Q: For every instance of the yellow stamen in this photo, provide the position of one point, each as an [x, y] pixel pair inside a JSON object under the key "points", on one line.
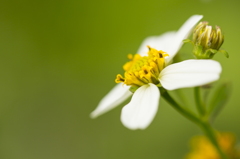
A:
{"points": [[119, 79], [142, 70], [130, 56], [129, 64]]}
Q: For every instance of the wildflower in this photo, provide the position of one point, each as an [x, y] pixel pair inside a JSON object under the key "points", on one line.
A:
{"points": [[171, 77], [169, 41], [203, 149], [147, 73]]}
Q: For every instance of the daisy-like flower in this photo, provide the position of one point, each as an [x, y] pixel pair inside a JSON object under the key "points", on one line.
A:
{"points": [[152, 71]]}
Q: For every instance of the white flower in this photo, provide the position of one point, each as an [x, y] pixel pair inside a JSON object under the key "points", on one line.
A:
{"points": [[139, 113], [141, 110]]}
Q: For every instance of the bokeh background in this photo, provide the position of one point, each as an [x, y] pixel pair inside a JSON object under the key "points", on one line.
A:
{"points": [[59, 58]]}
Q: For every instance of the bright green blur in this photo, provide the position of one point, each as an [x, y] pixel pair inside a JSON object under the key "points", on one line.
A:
{"points": [[59, 58]]}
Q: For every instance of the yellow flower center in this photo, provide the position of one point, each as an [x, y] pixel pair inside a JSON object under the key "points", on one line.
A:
{"points": [[142, 70]]}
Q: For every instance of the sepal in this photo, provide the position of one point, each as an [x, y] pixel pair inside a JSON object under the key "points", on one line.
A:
{"points": [[200, 53], [225, 53], [188, 41]]}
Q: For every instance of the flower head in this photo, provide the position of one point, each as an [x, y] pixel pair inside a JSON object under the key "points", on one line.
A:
{"points": [[207, 41], [203, 149], [149, 70], [208, 37], [143, 70]]}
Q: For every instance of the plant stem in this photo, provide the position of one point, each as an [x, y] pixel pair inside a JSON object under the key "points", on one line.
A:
{"points": [[200, 106], [210, 133], [201, 122]]}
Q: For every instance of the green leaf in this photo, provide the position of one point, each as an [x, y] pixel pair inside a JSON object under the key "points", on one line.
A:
{"points": [[133, 88], [219, 100], [225, 53]]}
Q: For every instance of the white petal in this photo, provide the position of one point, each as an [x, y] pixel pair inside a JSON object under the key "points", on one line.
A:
{"points": [[161, 42], [190, 73], [141, 110], [170, 42], [182, 34], [116, 96]]}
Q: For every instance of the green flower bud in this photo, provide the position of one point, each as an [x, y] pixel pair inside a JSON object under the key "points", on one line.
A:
{"points": [[207, 41]]}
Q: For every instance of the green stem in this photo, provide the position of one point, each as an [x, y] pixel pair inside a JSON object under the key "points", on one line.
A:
{"points": [[198, 101], [205, 97], [210, 133], [201, 122]]}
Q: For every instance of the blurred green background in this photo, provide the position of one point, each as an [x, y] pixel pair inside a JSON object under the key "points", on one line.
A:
{"points": [[59, 58]]}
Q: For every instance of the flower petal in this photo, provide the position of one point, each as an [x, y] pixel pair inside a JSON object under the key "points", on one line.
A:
{"points": [[116, 96], [190, 73], [182, 34], [141, 110], [171, 41], [161, 42]]}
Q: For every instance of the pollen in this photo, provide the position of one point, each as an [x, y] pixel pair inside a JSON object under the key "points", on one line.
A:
{"points": [[143, 70]]}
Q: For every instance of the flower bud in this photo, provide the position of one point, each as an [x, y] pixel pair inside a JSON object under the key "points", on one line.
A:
{"points": [[206, 40]]}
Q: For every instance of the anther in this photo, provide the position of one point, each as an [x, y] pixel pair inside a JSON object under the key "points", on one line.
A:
{"points": [[149, 48]]}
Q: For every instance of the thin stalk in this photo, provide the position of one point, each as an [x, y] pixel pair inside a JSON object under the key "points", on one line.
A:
{"points": [[205, 97], [200, 105], [203, 124], [209, 132]]}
